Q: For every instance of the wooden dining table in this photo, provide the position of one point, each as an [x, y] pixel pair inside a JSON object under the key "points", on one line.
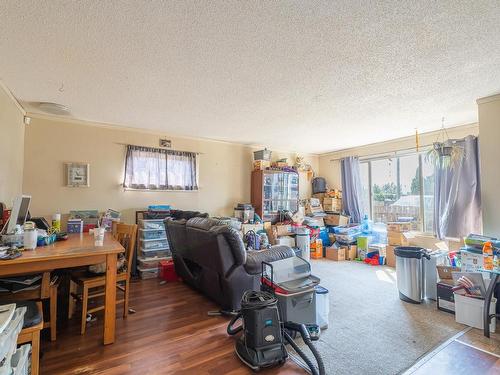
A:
{"points": [[78, 250]]}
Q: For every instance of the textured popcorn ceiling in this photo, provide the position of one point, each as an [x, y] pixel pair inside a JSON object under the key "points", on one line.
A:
{"points": [[302, 76]]}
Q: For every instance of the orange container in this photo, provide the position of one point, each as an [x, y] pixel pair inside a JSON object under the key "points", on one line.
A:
{"points": [[317, 249]]}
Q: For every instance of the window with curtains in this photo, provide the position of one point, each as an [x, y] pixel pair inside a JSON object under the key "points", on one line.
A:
{"points": [[399, 187], [148, 168]]}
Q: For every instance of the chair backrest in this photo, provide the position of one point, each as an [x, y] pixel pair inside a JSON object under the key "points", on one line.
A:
{"points": [[126, 234]]}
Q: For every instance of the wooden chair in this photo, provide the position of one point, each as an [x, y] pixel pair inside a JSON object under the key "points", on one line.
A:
{"points": [[93, 286], [32, 335], [47, 291]]}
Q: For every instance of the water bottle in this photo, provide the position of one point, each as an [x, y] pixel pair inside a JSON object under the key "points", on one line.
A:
{"points": [[366, 225]]}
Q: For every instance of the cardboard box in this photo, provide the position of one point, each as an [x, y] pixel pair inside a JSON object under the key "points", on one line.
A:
{"points": [[351, 252], [445, 297], [397, 226], [332, 204], [248, 227], [336, 254], [444, 273], [260, 165], [390, 258], [397, 239], [283, 230], [336, 219]]}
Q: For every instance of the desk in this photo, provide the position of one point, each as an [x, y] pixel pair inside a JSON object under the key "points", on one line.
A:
{"points": [[495, 276], [78, 250]]}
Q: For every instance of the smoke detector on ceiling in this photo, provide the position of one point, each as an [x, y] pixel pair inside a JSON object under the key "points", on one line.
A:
{"points": [[54, 108]]}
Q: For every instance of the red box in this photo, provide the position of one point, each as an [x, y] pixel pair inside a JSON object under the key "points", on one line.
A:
{"points": [[87, 227], [167, 270]]}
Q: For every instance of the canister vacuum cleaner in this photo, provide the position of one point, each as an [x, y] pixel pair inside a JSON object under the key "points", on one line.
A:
{"points": [[262, 343]]}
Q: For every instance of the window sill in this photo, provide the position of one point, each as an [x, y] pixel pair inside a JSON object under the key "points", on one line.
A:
{"points": [[162, 190]]}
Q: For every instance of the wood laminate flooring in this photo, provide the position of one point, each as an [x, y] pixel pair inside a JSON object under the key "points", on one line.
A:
{"points": [[170, 333]]}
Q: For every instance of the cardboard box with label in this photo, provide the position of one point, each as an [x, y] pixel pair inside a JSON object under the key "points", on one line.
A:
{"points": [[336, 254], [336, 219], [445, 295]]}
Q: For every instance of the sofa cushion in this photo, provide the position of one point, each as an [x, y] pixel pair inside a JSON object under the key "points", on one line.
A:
{"points": [[255, 257]]}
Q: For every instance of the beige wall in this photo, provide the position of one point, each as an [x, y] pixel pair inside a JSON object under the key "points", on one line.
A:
{"points": [[224, 170], [331, 169], [11, 147], [489, 126]]}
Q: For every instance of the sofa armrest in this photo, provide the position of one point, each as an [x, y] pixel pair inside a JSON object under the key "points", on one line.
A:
{"points": [[253, 265]]}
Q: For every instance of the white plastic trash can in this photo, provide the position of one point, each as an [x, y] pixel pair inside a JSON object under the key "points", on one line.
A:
{"points": [[322, 306]]}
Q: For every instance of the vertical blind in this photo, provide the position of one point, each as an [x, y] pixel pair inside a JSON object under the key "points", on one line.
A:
{"points": [[150, 168]]}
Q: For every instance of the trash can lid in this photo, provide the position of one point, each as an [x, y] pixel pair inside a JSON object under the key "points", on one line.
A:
{"points": [[320, 290], [409, 252]]}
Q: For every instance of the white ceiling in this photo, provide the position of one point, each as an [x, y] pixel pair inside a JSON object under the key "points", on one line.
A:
{"points": [[308, 76]]}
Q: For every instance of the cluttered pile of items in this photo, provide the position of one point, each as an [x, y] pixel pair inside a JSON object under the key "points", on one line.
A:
{"points": [[467, 282]]}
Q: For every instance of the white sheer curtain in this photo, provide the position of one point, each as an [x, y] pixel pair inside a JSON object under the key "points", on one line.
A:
{"points": [[158, 169]]}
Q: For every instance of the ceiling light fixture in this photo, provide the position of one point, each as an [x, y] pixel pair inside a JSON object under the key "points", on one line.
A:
{"points": [[54, 108]]}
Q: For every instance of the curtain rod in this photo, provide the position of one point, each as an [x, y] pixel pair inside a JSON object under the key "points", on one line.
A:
{"points": [[400, 152], [159, 148]]}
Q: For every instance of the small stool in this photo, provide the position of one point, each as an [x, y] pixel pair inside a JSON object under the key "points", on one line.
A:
{"points": [[33, 324]]}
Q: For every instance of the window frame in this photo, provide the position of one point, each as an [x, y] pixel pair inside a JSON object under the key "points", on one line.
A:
{"points": [[166, 152], [398, 155]]}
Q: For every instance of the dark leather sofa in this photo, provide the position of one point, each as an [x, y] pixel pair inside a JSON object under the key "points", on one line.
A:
{"points": [[211, 257]]}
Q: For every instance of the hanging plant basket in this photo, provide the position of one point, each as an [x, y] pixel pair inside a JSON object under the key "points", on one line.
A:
{"points": [[445, 154]]}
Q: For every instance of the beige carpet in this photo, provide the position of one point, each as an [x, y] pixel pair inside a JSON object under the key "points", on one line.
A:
{"points": [[371, 330]]}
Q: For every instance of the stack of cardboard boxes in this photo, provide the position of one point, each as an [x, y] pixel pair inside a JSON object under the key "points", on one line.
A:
{"points": [[396, 237], [343, 252]]}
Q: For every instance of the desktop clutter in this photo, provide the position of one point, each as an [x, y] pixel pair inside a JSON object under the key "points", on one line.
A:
{"points": [[22, 232]]}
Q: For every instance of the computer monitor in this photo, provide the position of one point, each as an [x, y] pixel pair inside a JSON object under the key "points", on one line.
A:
{"points": [[18, 213]]}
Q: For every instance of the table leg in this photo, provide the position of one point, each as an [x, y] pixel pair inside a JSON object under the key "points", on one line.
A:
{"points": [[110, 300], [487, 302]]}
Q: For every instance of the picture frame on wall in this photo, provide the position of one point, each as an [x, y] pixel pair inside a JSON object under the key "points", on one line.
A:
{"points": [[77, 174]]}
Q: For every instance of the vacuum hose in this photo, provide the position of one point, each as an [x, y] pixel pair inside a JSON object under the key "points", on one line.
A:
{"points": [[301, 328]]}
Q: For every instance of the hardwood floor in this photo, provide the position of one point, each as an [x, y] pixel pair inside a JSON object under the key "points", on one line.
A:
{"points": [[169, 334], [468, 353]]}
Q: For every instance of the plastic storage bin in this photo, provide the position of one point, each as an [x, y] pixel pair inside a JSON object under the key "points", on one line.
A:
{"points": [[20, 362], [298, 307], [348, 230], [149, 263], [154, 253], [322, 306], [148, 273], [8, 338], [155, 244], [152, 224], [151, 234], [469, 311]]}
